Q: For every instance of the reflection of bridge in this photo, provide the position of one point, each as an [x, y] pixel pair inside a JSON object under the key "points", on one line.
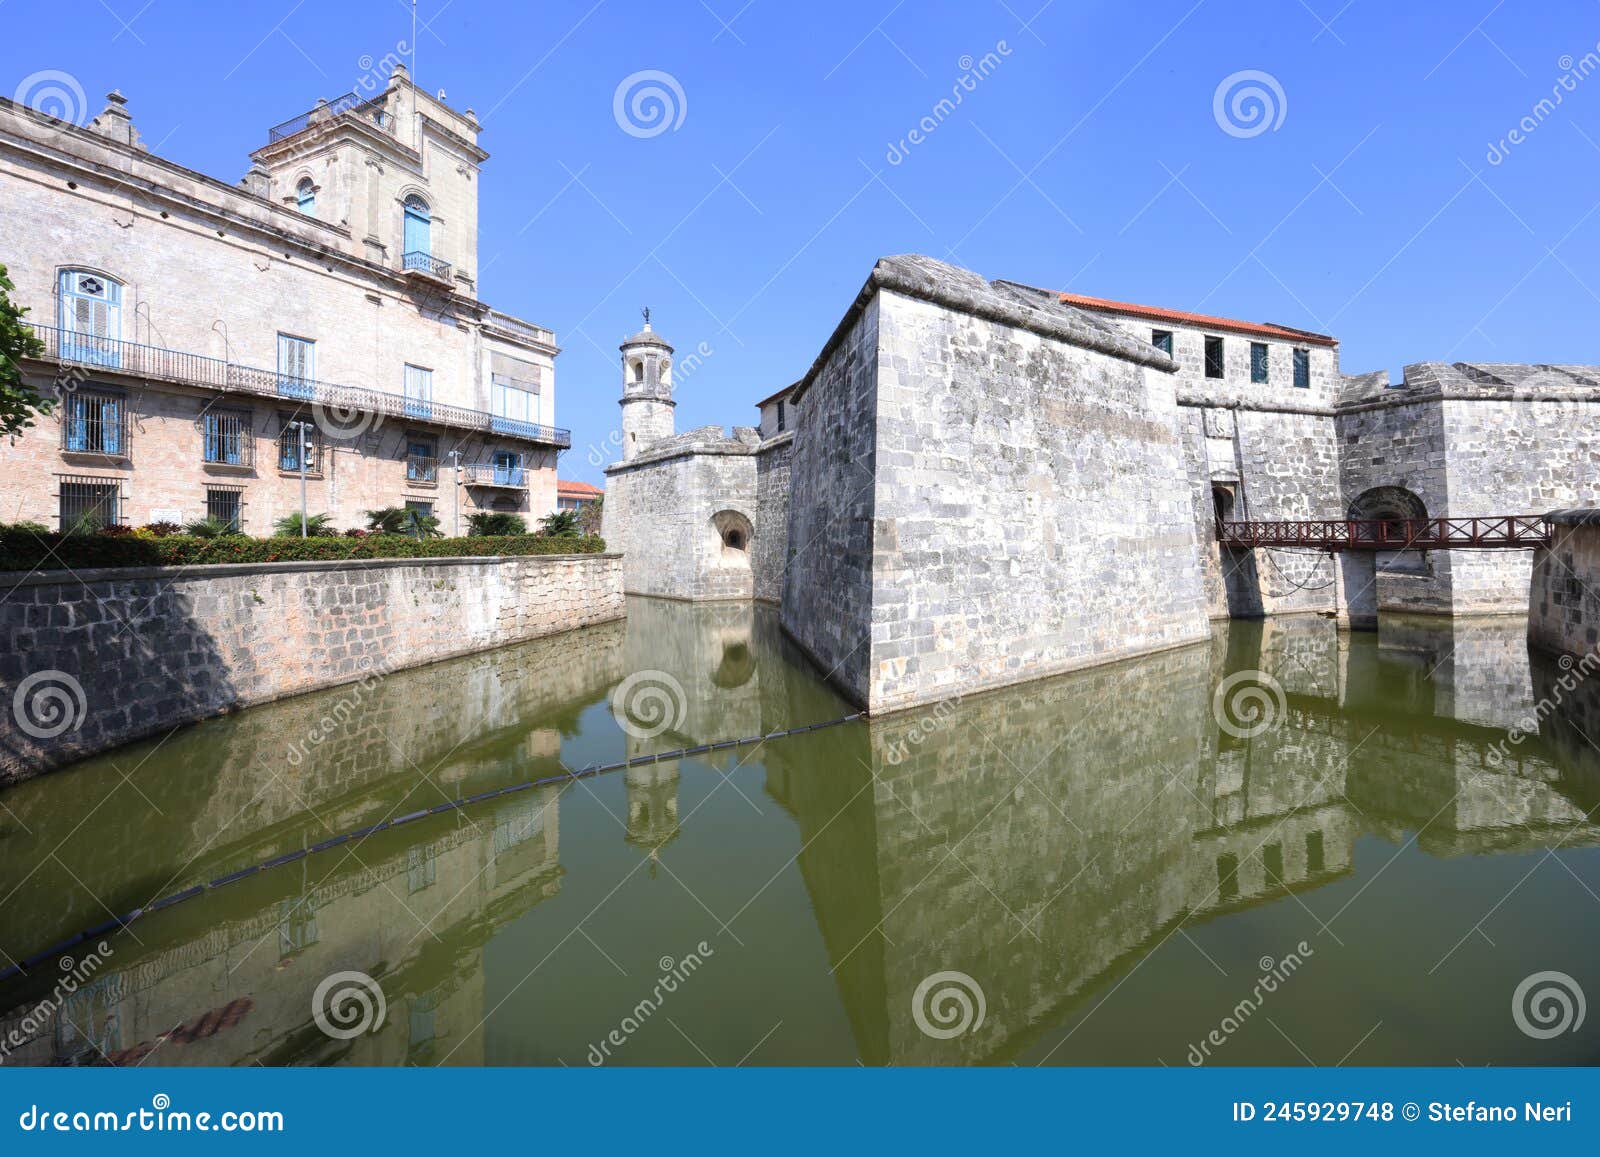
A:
{"points": [[1498, 532]]}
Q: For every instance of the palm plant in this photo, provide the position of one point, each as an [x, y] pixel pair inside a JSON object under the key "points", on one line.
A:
{"points": [[403, 520], [495, 522], [316, 525], [209, 528], [559, 524]]}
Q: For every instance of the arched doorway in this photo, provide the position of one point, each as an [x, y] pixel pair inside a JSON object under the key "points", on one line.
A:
{"points": [[1401, 509]]}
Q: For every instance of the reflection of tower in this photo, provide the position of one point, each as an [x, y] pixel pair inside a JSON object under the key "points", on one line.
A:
{"points": [[646, 390], [652, 805]]}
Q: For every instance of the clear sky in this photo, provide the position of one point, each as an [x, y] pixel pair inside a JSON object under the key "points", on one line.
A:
{"points": [[1088, 151]]}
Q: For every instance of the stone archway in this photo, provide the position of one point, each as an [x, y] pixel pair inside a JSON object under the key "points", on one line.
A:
{"points": [[1388, 502], [735, 532]]}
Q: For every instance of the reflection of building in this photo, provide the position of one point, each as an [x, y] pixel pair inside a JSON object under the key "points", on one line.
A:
{"points": [[1029, 839], [215, 342], [411, 912], [652, 791]]}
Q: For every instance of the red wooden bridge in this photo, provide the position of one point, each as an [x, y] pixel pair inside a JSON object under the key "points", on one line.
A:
{"points": [[1500, 532]]}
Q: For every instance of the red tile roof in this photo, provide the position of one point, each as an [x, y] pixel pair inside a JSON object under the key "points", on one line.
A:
{"points": [[783, 393], [567, 488], [1203, 320]]}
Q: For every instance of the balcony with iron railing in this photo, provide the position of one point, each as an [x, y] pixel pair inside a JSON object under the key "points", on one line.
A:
{"points": [[495, 475], [84, 355], [425, 264], [351, 104]]}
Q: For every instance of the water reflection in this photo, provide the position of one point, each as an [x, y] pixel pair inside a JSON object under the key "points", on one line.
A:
{"points": [[1095, 851]]}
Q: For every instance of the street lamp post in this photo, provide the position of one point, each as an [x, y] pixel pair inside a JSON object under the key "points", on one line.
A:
{"points": [[304, 444], [455, 519]]}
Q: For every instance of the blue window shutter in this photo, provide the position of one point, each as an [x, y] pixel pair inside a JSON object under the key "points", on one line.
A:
{"points": [[417, 228], [77, 424]]}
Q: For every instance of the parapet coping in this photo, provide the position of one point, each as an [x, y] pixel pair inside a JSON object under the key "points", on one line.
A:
{"points": [[926, 279], [1575, 516], [237, 569]]}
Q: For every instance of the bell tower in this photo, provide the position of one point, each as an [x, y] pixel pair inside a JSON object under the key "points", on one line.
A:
{"points": [[646, 390]]}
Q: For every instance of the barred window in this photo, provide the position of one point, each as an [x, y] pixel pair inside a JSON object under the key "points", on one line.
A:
{"points": [[1214, 362], [225, 504], [89, 503], [1258, 361], [226, 438], [299, 438], [422, 460], [1162, 340], [95, 422], [1302, 369]]}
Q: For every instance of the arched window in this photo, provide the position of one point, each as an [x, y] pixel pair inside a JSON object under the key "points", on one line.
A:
{"points": [[418, 228], [638, 371], [90, 317], [305, 197]]}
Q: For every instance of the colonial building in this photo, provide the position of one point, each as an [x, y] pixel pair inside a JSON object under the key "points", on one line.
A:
{"points": [[218, 348], [574, 495]]}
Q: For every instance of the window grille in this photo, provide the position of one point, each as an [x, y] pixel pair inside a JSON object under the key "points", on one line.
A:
{"points": [[226, 439], [225, 504], [1214, 361], [93, 422], [1258, 361], [89, 502], [1302, 369], [290, 443], [1162, 340]]}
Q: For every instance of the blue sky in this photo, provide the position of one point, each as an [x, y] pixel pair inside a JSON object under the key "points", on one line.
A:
{"points": [[1089, 156]]}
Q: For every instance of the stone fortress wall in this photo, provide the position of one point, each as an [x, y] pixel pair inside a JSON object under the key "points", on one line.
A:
{"points": [[978, 483], [237, 635]]}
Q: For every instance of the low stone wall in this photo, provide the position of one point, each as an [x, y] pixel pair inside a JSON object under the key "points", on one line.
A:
{"points": [[98, 658], [1564, 610]]}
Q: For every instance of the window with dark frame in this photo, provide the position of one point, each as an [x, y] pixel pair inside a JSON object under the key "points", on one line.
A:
{"points": [[422, 460], [1258, 362], [289, 445], [1302, 369], [89, 502], [782, 420], [226, 439], [95, 422], [225, 504], [1214, 364], [1162, 340]]}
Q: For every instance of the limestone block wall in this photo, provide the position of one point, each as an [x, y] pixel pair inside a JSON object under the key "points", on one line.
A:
{"points": [[770, 547], [135, 652], [1564, 610], [1514, 456], [1028, 511], [827, 582], [1282, 462], [660, 513]]}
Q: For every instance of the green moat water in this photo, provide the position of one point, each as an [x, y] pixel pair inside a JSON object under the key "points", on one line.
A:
{"points": [[1113, 869]]}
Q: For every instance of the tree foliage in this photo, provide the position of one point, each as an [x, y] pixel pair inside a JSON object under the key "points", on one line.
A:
{"points": [[19, 401]]}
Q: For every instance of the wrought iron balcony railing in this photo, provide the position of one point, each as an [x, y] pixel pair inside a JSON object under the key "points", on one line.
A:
{"points": [[489, 474], [82, 356], [416, 261], [350, 104]]}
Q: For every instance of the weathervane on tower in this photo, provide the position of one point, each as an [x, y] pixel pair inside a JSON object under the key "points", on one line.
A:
{"points": [[646, 312]]}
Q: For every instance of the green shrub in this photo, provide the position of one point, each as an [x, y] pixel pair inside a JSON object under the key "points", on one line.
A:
{"points": [[24, 528], [496, 523], [29, 551], [162, 529]]}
